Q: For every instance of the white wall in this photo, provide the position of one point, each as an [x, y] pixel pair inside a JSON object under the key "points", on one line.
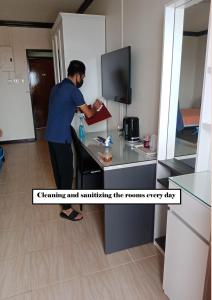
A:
{"points": [[112, 10], [200, 65], [142, 29], [192, 68], [16, 118]]}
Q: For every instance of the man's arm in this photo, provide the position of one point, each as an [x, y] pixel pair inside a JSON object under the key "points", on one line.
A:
{"points": [[90, 112]]}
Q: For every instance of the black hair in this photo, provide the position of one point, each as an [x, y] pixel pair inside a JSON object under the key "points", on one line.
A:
{"points": [[75, 67]]}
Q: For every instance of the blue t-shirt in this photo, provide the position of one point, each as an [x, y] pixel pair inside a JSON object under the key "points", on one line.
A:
{"points": [[64, 99]]}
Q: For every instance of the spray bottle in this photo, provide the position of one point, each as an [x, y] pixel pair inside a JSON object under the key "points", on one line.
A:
{"points": [[107, 155], [81, 127]]}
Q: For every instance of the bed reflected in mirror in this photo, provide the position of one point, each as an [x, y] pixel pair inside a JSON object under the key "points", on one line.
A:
{"points": [[191, 78]]}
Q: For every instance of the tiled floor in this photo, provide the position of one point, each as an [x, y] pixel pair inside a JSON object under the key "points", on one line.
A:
{"points": [[43, 257]]}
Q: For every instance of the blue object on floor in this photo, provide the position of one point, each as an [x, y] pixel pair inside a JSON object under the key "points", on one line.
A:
{"points": [[196, 131], [180, 124], [2, 158]]}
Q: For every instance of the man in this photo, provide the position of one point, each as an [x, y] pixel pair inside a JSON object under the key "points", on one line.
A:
{"points": [[65, 98]]}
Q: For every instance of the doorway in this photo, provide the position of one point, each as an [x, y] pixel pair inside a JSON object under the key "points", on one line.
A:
{"points": [[175, 27], [194, 42], [41, 81]]}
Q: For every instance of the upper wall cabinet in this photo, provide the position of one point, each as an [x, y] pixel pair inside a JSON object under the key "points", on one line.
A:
{"points": [[80, 37]]}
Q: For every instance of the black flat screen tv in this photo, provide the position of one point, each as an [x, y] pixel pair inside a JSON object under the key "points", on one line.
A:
{"points": [[115, 69]]}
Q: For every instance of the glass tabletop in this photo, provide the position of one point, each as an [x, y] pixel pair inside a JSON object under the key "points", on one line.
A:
{"points": [[183, 148], [198, 184], [122, 152]]}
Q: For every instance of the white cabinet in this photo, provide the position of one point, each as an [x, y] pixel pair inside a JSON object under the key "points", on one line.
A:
{"points": [[193, 212], [80, 37], [187, 239], [185, 261]]}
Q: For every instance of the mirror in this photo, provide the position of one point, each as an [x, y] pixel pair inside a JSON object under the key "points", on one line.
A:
{"points": [[194, 42]]}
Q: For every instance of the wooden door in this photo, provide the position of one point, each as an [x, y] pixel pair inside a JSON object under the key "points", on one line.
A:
{"points": [[41, 80]]}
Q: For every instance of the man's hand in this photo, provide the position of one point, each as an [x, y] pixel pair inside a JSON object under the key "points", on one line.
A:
{"points": [[1, 132], [90, 112], [97, 105]]}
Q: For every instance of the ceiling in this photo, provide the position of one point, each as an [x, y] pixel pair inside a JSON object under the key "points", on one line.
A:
{"points": [[196, 17], [36, 10]]}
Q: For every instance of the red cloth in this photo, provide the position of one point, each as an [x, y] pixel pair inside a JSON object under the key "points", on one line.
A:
{"points": [[101, 115]]}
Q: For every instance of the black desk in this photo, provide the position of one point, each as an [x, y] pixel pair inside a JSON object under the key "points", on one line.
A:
{"points": [[125, 225]]}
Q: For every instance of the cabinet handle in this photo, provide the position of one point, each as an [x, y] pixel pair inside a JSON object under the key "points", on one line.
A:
{"points": [[97, 171]]}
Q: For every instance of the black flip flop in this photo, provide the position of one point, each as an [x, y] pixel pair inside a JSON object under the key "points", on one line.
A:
{"points": [[71, 217]]}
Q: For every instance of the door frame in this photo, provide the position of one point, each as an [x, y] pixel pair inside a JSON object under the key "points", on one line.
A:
{"points": [[37, 54], [170, 80], [170, 77]]}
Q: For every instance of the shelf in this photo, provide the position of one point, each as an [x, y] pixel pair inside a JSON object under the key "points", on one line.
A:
{"points": [[177, 167], [164, 182]]}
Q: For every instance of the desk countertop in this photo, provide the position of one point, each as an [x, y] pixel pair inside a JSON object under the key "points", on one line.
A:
{"points": [[123, 153]]}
